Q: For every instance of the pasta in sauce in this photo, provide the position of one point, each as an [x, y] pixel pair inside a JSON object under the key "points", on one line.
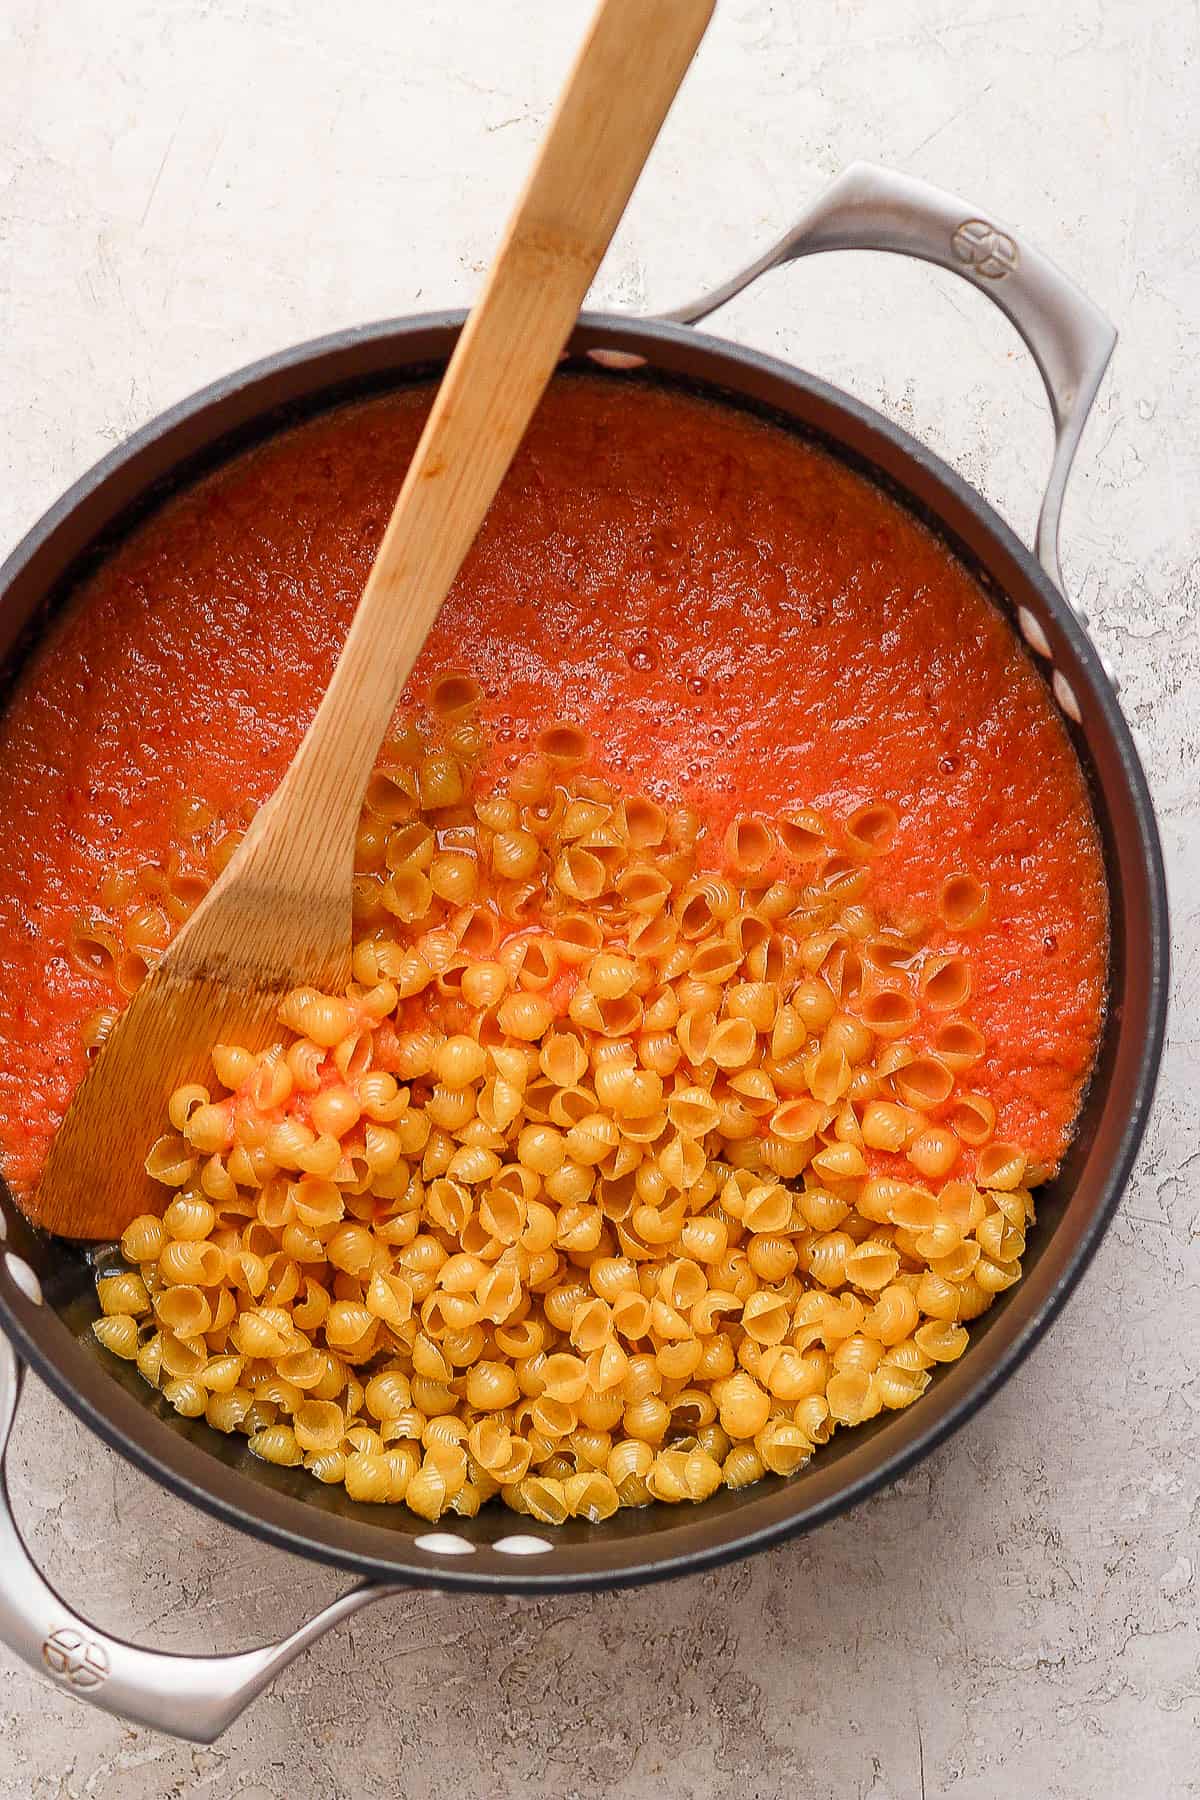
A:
{"points": [[719, 997]]}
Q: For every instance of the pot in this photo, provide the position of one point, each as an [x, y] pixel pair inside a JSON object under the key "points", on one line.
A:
{"points": [[46, 1293]]}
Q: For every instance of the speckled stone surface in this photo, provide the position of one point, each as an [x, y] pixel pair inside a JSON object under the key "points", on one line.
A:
{"points": [[185, 186]]}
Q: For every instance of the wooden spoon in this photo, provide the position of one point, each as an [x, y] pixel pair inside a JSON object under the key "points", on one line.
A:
{"points": [[279, 916]]}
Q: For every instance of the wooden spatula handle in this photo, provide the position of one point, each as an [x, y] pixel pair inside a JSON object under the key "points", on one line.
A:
{"points": [[607, 118]]}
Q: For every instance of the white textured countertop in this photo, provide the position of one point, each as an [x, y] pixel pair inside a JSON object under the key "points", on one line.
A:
{"points": [[187, 185]]}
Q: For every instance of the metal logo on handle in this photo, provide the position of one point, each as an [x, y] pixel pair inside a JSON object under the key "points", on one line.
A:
{"points": [[77, 1659], [991, 253]]}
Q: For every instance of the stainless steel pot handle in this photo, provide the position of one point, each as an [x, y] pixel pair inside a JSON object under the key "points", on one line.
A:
{"points": [[869, 208], [192, 1697]]}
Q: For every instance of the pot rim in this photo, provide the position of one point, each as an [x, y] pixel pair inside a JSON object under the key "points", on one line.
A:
{"points": [[706, 1539]]}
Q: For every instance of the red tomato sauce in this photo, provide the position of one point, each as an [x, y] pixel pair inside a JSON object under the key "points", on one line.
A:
{"points": [[742, 622]]}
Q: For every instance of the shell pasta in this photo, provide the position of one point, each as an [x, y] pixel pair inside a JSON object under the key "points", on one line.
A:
{"points": [[640, 1155]]}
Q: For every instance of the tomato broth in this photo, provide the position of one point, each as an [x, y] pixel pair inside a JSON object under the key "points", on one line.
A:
{"points": [[740, 621]]}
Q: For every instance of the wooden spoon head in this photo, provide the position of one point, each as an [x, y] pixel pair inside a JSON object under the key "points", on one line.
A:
{"points": [[221, 981]]}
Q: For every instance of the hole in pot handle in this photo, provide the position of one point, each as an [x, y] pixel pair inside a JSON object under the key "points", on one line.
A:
{"points": [[869, 208], [193, 1697]]}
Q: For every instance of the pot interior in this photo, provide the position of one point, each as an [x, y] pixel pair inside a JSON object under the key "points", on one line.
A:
{"points": [[499, 1547]]}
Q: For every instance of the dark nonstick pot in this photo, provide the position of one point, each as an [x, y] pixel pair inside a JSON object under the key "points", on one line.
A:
{"points": [[46, 1296]]}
